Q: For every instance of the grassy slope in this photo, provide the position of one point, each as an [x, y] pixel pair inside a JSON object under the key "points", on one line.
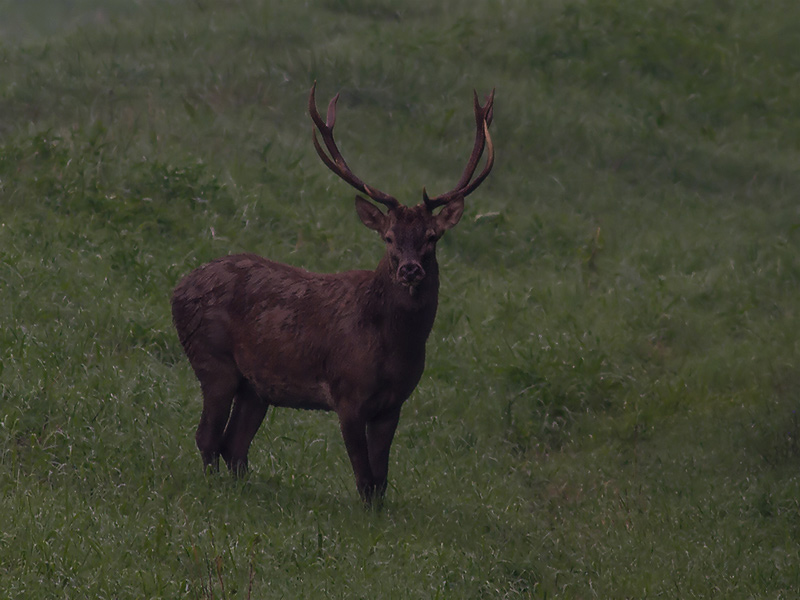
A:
{"points": [[610, 401]]}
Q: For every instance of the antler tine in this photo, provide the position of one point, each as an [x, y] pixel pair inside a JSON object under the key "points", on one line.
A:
{"points": [[483, 118], [335, 162]]}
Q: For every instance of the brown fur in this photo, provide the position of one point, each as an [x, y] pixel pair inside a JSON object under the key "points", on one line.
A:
{"points": [[260, 333]]}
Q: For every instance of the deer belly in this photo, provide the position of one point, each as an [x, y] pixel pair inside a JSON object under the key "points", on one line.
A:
{"points": [[308, 395]]}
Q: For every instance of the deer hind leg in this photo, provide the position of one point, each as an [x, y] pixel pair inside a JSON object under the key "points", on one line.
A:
{"points": [[219, 381], [246, 417]]}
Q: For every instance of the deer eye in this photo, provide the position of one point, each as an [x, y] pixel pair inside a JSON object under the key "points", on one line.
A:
{"points": [[388, 239], [432, 237]]}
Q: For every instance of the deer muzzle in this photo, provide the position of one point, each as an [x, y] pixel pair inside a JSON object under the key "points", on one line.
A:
{"points": [[410, 273]]}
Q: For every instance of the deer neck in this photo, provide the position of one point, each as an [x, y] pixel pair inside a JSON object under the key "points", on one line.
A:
{"points": [[405, 312]]}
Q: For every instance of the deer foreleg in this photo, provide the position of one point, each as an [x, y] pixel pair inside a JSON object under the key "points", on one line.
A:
{"points": [[380, 433], [354, 432]]}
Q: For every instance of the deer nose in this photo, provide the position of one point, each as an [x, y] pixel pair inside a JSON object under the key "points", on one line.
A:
{"points": [[410, 272]]}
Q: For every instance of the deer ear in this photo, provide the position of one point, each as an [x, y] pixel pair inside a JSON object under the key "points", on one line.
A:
{"points": [[450, 214], [370, 215]]}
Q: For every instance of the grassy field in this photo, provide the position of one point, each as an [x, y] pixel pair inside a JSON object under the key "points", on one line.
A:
{"points": [[610, 403]]}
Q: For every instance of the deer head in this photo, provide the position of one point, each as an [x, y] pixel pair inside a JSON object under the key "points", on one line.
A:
{"points": [[410, 233]]}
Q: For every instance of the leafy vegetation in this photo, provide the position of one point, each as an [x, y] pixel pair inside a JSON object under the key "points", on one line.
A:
{"points": [[610, 403]]}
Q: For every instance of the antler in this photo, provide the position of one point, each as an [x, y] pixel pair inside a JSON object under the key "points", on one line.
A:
{"points": [[335, 162], [483, 118]]}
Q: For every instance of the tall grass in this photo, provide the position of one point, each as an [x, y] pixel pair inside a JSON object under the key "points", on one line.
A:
{"points": [[610, 403]]}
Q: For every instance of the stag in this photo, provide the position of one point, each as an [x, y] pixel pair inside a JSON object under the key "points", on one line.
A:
{"points": [[260, 333]]}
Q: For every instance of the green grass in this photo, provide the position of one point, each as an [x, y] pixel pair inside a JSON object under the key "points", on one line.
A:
{"points": [[610, 403]]}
